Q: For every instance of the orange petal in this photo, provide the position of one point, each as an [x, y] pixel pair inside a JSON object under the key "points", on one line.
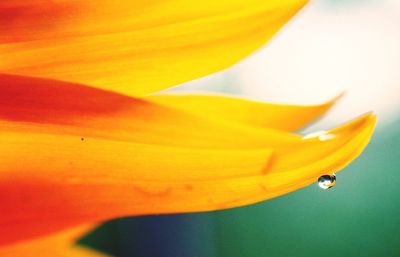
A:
{"points": [[57, 245], [134, 47], [243, 111]]}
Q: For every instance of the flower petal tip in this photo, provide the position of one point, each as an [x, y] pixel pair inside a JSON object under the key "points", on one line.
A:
{"points": [[363, 123], [337, 98]]}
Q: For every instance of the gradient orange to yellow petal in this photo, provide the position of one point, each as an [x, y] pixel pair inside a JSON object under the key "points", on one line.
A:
{"points": [[67, 108], [134, 47]]}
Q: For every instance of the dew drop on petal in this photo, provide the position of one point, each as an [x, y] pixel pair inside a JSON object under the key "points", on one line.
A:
{"points": [[327, 181]]}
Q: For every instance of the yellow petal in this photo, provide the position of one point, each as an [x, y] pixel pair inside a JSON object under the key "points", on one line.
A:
{"points": [[242, 111], [134, 47], [57, 245]]}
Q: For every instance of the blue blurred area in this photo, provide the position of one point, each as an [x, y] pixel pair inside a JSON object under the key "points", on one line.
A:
{"points": [[166, 235]]}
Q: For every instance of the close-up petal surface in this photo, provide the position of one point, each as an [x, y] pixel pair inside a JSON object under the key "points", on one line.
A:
{"points": [[134, 47], [52, 178]]}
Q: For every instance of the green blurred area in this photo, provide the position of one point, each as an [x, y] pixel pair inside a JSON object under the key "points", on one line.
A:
{"points": [[360, 216]]}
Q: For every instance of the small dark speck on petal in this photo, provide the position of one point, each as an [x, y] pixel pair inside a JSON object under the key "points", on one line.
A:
{"points": [[264, 188], [189, 187]]}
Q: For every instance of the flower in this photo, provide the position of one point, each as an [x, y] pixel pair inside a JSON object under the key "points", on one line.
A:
{"points": [[67, 162], [73, 154]]}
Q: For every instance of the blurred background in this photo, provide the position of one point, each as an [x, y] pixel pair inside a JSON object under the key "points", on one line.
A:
{"points": [[330, 47]]}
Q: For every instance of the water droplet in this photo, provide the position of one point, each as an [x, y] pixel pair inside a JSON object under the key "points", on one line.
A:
{"points": [[327, 181]]}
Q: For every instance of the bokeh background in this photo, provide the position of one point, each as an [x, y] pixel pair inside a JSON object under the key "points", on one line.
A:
{"points": [[330, 47]]}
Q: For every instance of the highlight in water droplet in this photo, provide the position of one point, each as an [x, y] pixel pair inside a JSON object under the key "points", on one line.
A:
{"points": [[327, 181]]}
